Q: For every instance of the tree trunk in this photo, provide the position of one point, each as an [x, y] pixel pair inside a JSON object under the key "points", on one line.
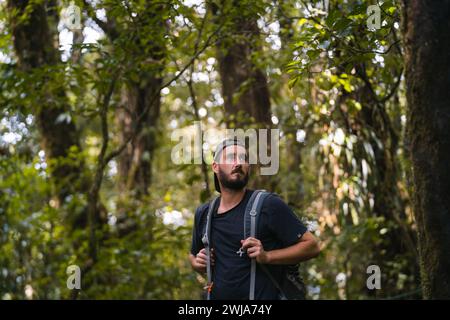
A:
{"points": [[427, 29], [399, 241], [140, 97], [135, 162], [35, 44], [139, 108], [244, 85]]}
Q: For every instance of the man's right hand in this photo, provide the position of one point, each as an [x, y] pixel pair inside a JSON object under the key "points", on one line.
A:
{"points": [[199, 261]]}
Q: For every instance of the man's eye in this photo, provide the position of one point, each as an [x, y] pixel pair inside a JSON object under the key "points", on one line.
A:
{"points": [[230, 157]]}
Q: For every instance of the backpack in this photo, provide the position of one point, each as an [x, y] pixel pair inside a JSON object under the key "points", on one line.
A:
{"points": [[291, 287]]}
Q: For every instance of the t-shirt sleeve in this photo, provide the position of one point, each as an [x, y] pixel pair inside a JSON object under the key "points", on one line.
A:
{"points": [[197, 243], [282, 221]]}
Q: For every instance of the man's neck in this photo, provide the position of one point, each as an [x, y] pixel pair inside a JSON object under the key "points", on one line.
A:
{"points": [[229, 199]]}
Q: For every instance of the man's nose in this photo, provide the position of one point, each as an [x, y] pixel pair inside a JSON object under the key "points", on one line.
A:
{"points": [[236, 166]]}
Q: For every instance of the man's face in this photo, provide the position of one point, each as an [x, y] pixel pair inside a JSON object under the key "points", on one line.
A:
{"points": [[233, 168]]}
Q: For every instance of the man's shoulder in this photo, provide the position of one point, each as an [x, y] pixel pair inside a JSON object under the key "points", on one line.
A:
{"points": [[273, 198], [274, 202], [202, 208], [270, 198]]}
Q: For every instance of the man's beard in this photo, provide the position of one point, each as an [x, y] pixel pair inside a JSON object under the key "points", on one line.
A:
{"points": [[237, 184]]}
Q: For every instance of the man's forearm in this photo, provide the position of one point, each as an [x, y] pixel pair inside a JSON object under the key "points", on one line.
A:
{"points": [[301, 251]]}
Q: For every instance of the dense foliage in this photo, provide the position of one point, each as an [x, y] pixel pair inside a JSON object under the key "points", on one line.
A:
{"points": [[336, 94]]}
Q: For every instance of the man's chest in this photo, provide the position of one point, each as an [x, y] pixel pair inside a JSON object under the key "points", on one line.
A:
{"points": [[227, 232]]}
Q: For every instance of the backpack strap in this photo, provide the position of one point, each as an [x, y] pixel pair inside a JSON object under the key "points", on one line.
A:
{"points": [[206, 243], [250, 219]]}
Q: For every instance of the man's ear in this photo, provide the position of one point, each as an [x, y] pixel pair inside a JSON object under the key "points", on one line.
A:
{"points": [[215, 167]]}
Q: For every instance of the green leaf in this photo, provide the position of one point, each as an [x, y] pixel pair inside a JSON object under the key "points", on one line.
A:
{"points": [[292, 82]]}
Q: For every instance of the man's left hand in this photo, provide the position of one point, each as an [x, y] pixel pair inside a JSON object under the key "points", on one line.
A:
{"points": [[255, 249]]}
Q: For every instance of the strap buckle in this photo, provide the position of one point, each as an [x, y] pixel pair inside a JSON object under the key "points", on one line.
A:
{"points": [[205, 240], [208, 287], [253, 212]]}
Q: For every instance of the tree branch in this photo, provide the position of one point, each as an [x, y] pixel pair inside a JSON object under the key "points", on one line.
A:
{"points": [[95, 187], [393, 89]]}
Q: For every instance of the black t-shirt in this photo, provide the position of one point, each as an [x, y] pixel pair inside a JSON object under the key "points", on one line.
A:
{"points": [[278, 227]]}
